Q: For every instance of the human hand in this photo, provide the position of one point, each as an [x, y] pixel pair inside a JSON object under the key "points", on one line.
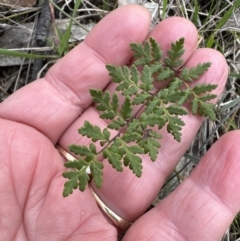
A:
{"points": [[50, 110]]}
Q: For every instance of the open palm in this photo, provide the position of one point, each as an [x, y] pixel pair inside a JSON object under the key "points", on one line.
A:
{"points": [[50, 111]]}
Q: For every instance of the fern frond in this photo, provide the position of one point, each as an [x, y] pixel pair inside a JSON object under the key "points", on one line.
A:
{"points": [[137, 112]]}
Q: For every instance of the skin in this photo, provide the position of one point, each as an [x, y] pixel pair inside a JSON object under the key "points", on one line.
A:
{"points": [[50, 111]]}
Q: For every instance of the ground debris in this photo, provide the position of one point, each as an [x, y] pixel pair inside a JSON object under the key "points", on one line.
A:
{"points": [[18, 37], [19, 3]]}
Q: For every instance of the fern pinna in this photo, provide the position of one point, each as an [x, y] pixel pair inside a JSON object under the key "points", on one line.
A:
{"points": [[154, 109]]}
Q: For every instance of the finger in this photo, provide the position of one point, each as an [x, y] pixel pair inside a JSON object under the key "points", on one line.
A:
{"points": [[31, 183], [204, 205], [51, 104], [124, 192]]}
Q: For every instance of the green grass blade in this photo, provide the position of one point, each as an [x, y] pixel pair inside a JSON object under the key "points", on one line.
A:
{"points": [[164, 6], [224, 19], [195, 13], [236, 75], [65, 37], [228, 14], [25, 55], [67, 15]]}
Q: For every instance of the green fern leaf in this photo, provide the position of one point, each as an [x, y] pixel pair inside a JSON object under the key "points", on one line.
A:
{"points": [[135, 149], [176, 110], [134, 162], [93, 132], [70, 185], [175, 130], [111, 153], [117, 73], [76, 179], [138, 50], [156, 68], [155, 135], [155, 48], [206, 109], [179, 96], [152, 120], [140, 62], [134, 74], [174, 54], [165, 74], [126, 110], [116, 124], [106, 134], [160, 111], [152, 105], [193, 73], [175, 84], [134, 126], [147, 80], [103, 103], [131, 137], [82, 151], [141, 98], [194, 105], [83, 179], [207, 97], [152, 149], [163, 94], [97, 173], [203, 109], [101, 99], [115, 102], [126, 78], [93, 148], [77, 164], [174, 127], [108, 115], [123, 86], [142, 52], [131, 90], [150, 144], [203, 88]]}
